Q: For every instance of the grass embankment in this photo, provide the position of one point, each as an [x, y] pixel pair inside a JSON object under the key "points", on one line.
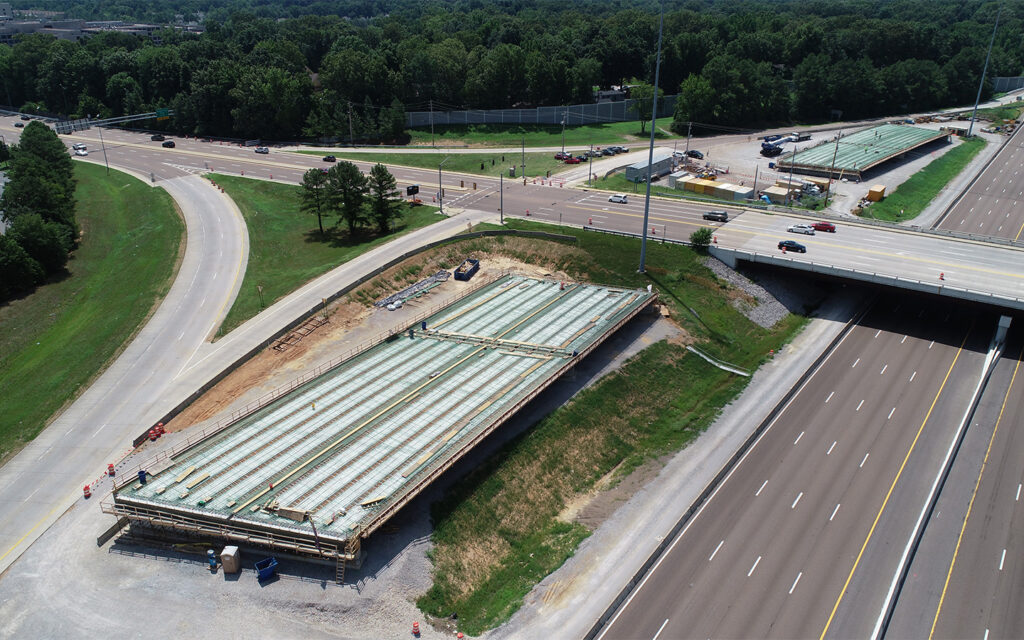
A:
{"points": [[539, 135], [920, 189], [285, 246], [497, 533], [56, 340], [1001, 115], [483, 164]]}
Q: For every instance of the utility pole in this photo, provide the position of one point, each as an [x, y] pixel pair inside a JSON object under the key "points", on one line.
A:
{"points": [[565, 115], [755, 180], [689, 125], [832, 169], [981, 84], [789, 186], [501, 197], [650, 152], [351, 138], [432, 122], [440, 189], [590, 171], [524, 159]]}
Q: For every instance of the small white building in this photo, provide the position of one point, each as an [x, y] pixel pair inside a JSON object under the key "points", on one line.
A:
{"points": [[661, 164]]}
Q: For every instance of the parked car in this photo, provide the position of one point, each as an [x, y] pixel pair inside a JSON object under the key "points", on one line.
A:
{"points": [[19, 124], [805, 229], [693, 153], [824, 226], [262, 150], [572, 160], [561, 155], [81, 152], [581, 158], [26, 117], [718, 216], [618, 197], [169, 144], [156, 137], [78, 145], [330, 159], [592, 154], [792, 245], [607, 152]]}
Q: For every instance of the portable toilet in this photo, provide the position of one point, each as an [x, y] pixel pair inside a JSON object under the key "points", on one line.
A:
{"points": [[231, 560]]}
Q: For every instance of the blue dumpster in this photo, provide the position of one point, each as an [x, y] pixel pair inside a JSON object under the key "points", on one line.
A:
{"points": [[266, 568]]}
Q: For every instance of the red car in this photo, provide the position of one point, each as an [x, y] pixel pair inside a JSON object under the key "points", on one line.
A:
{"points": [[561, 155], [572, 160], [824, 226]]}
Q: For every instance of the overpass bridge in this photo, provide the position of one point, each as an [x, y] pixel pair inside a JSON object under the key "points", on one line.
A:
{"points": [[950, 267]]}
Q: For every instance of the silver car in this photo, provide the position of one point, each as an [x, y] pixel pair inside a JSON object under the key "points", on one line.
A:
{"points": [[618, 197], [801, 228]]}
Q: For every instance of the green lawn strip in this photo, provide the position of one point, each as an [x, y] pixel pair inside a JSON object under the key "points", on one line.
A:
{"points": [[496, 532], [540, 135], [537, 164], [285, 247], [921, 188], [54, 342], [1002, 114]]}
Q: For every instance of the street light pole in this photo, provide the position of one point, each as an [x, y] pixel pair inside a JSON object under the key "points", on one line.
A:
{"points": [[970, 127], [564, 116], [501, 197], [440, 189], [650, 152], [590, 171], [789, 185], [104, 147]]}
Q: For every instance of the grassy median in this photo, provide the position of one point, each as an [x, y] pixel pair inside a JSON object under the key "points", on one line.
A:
{"points": [[498, 532], [286, 249], [911, 197], [55, 341], [482, 164]]}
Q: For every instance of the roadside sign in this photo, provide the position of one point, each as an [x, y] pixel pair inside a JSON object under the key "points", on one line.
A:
{"points": [[162, 114]]}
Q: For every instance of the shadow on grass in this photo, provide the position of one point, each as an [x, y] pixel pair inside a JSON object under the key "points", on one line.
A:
{"points": [[714, 334], [340, 237]]}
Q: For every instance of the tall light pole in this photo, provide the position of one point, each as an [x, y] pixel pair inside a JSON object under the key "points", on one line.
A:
{"points": [[565, 114], [650, 152], [501, 197], [440, 189], [590, 171], [789, 185], [981, 84], [104, 147]]}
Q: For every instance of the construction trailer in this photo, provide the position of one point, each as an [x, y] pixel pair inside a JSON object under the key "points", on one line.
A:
{"points": [[661, 164], [319, 468]]}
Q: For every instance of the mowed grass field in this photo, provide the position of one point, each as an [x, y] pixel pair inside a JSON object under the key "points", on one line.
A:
{"points": [[498, 531], [539, 135], [285, 246], [55, 341], [483, 164], [916, 193]]}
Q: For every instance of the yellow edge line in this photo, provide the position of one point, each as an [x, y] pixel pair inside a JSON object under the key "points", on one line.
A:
{"points": [[970, 505], [27, 533], [892, 487]]}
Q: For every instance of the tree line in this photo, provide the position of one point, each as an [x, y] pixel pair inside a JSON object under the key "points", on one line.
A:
{"points": [[351, 69], [38, 206]]}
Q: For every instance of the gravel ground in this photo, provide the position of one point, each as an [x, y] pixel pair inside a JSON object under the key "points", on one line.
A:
{"points": [[768, 309]]}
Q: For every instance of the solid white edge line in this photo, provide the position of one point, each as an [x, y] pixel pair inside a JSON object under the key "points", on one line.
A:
{"points": [[660, 629], [739, 462], [992, 356]]}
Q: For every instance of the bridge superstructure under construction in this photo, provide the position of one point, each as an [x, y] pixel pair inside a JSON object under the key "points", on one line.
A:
{"points": [[318, 470]]}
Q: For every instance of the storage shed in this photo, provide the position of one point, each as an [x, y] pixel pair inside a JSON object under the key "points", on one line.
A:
{"points": [[876, 193]]}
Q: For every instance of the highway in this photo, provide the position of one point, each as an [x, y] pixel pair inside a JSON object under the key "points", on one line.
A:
{"points": [[965, 578], [992, 204], [801, 539]]}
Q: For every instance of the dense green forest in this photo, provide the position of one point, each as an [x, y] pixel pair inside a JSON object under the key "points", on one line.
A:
{"points": [[293, 68]]}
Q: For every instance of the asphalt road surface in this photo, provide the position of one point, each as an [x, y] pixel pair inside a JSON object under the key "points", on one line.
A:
{"points": [[977, 266], [802, 538], [966, 576], [992, 204]]}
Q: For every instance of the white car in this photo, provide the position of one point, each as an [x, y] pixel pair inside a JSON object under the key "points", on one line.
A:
{"points": [[77, 146], [81, 152], [801, 228], [618, 197]]}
